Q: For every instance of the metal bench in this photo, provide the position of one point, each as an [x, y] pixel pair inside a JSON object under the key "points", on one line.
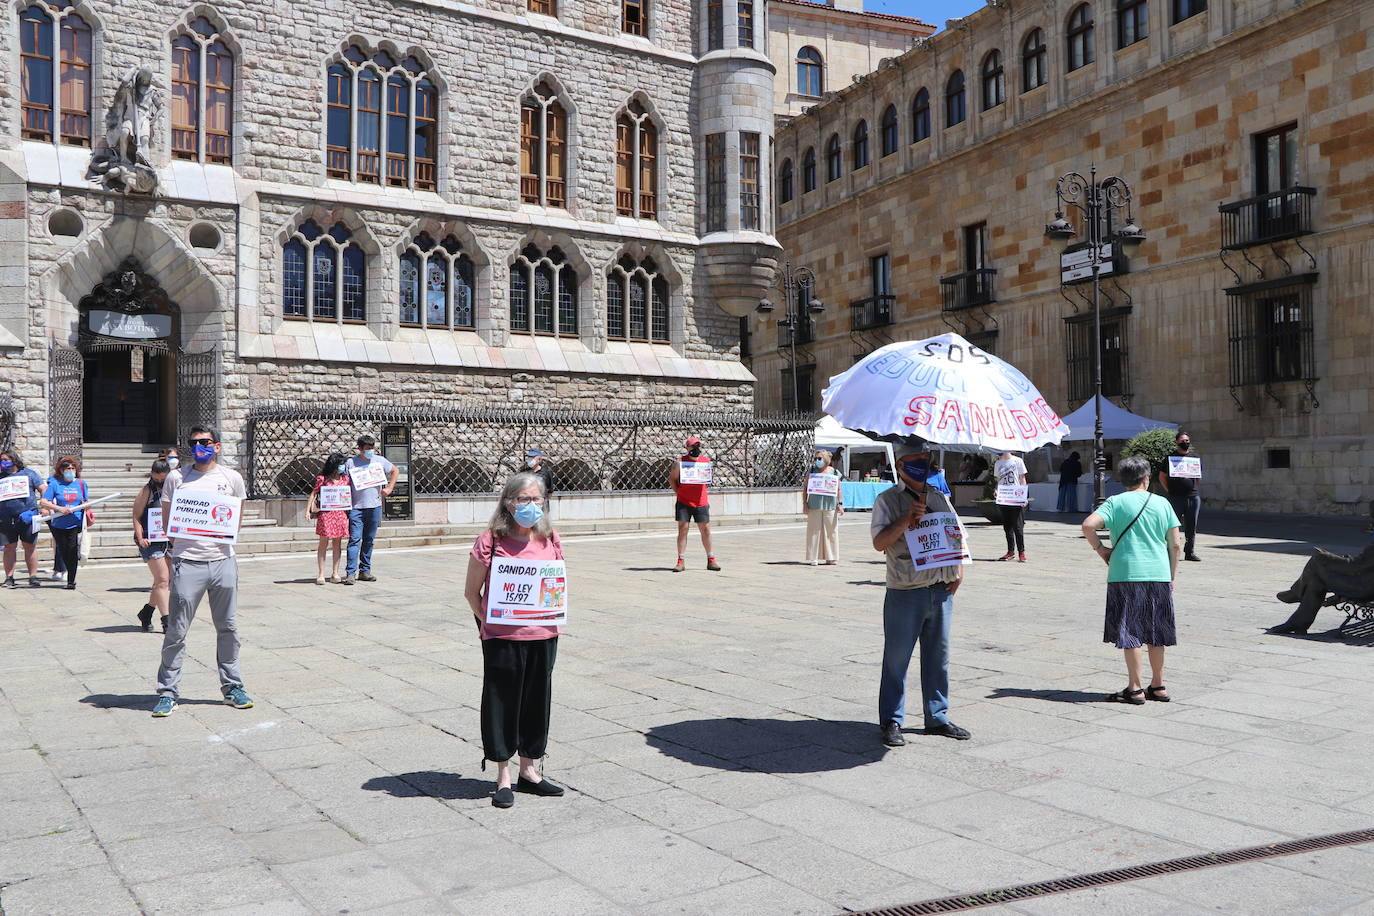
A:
{"points": [[1356, 610]]}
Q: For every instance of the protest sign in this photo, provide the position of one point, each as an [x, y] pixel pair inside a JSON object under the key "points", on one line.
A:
{"points": [[1011, 494], [155, 530], [938, 540], [204, 515], [334, 497], [16, 486], [694, 472], [527, 592], [1183, 466], [822, 485], [369, 475]]}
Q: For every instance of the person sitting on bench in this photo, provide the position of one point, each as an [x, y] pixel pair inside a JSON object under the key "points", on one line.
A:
{"points": [[1347, 577]]}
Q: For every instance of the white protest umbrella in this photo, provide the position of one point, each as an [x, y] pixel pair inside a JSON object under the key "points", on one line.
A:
{"points": [[946, 391]]}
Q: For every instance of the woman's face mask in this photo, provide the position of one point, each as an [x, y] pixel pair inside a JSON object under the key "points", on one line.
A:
{"points": [[173, 462], [68, 474], [6, 465], [528, 515], [820, 462]]}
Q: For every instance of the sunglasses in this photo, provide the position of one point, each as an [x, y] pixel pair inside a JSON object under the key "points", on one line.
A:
{"points": [[194, 442]]}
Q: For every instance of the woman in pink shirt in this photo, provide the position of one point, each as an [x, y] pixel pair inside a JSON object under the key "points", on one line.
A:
{"points": [[517, 674]]}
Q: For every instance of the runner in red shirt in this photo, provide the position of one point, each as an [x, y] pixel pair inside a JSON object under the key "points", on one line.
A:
{"points": [[692, 506]]}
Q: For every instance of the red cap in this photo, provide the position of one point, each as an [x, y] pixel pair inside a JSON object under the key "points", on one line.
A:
{"points": [[693, 440]]}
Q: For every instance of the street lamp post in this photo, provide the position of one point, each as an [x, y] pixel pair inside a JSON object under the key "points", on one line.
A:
{"points": [[1096, 199], [789, 280]]}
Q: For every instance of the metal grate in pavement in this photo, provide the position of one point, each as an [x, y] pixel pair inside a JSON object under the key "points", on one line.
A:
{"points": [[1118, 875]]}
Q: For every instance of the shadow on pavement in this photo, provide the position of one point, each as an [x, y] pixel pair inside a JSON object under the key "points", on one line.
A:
{"points": [[131, 591], [1360, 634], [1053, 696], [141, 702], [431, 784], [769, 745], [121, 628], [648, 569]]}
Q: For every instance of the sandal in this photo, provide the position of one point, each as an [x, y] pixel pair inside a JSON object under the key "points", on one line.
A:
{"points": [[1158, 694], [1134, 697]]}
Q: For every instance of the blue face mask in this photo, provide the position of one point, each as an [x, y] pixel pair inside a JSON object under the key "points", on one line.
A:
{"points": [[204, 454], [820, 462], [369, 454], [69, 475], [917, 470], [528, 515], [6, 465]]}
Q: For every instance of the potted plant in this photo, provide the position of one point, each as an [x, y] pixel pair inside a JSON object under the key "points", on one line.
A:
{"points": [[1155, 446]]}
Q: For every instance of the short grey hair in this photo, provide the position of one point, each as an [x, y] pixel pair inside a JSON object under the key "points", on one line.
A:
{"points": [[503, 522], [1133, 471]]}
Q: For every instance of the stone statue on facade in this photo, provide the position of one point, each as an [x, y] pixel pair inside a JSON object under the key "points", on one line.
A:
{"points": [[125, 162]]}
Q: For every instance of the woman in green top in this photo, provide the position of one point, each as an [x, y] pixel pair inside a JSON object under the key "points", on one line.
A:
{"points": [[822, 513], [1141, 566]]}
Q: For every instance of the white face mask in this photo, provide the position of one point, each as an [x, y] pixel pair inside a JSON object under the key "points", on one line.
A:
{"points": [[531, 462], [173, 461]]}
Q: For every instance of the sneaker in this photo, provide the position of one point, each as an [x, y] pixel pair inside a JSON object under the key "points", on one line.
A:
{"points": [[681, 565], [164, 707], [70, 586], [1020, 558], [892, 735], [712, 565], [366, 577], [57, 576], [35, 582], [349, 580], [1193, 557], [10, 583], [238, 699], [1006, 556]]}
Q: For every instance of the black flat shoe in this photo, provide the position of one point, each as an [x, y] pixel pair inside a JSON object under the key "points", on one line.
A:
{"points": [[504, 798], [1286, 628], [542, 787], [950, 730]]}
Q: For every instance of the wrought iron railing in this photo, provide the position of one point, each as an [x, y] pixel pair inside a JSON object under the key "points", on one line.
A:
{"points": [[1270, 331], [1267, 218], [967, 290], [873, 312], [7, 421], [472, 451], [1078, 347]]}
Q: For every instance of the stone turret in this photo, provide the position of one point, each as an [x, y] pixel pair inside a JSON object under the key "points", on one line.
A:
{"points": [[738, 251]]}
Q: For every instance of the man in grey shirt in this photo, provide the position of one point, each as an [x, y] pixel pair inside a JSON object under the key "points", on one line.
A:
{"points": [[918, 605], [199, 567], [366, 514]]}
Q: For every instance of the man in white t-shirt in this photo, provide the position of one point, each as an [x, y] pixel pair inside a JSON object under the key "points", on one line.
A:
{"points": [[366, 515], [1010, 470], [199, 567]]}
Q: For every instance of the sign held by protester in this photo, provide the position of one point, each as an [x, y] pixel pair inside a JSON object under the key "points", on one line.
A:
{"points": [[1012, 494], [938, 540], [822, 485], [16, 486], [527, 592], [156, 530], [203, 515], [1185, 466], [367, 475], [334, 497], [694, 472]]}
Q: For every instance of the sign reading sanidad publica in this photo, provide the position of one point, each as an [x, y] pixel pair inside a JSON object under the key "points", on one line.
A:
{"points": [[334, 497], [694, 472], [202, 515], [367, 475], [156, 530], [1185, 466], [938, 540], [15, 486], [822, 485], [527, 592], [1011, 494]]}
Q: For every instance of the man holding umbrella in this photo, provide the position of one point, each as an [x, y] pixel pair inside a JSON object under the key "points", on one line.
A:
{"points": [[918, 604]]}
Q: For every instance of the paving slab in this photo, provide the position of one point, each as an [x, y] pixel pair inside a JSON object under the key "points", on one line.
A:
{"points": [[716, 733]]}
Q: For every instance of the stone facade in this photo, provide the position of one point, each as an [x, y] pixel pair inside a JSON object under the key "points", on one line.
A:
{"points": [[850, 42], [1179, 115], [213, 237]]}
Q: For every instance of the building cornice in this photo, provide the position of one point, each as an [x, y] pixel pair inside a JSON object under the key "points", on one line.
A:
{"points": [[831, 14]]}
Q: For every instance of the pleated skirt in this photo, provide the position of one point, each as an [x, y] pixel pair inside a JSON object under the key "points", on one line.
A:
{"points": [[1140, 614]]}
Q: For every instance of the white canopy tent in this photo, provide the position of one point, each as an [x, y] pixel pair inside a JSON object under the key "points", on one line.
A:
{"points": [[1117, 423], [831, 435]]}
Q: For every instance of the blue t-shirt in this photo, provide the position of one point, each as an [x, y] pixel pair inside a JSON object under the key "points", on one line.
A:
{"points": [[1142, 555], [12, 508], [66, 494]]}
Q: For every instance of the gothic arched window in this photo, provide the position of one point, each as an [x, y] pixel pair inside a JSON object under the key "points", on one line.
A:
{"points": [[543, 149], [55, 73], [636, 163], [636, 301], [377, 106], [437, 284], [324, 275], [543, 293], [202, 94]]}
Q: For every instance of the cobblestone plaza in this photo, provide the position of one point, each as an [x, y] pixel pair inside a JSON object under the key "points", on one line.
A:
{"points": [[716, 732]]}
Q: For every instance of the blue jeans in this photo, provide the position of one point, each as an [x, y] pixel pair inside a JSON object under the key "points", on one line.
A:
{"points": [[362, 531], [1068, 497], [909, 615]]}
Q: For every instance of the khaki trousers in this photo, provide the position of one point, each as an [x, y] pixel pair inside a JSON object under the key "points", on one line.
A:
{"points": [[822, 535]]}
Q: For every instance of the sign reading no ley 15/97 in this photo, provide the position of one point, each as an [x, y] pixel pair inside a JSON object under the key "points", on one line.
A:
{"points": [[202, 515], [527, 592]]}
